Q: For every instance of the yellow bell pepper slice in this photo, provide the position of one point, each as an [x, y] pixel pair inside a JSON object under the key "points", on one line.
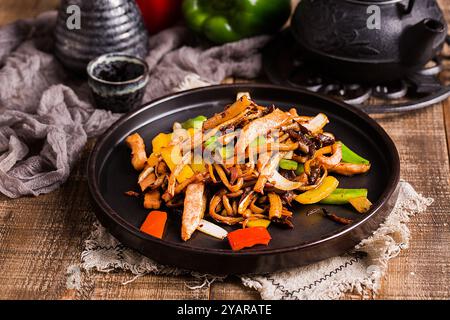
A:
{"points": [[152, 160], [198, 167], [191, 131], [172, 156], [162, 140], [361, 204], [328, 185], [258, 223]]}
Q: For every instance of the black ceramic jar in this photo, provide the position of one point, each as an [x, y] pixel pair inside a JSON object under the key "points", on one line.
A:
{"points": [[104, 26], [341, 37]]}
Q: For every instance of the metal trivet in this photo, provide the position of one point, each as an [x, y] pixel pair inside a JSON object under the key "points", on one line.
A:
{"points": [[284, 65]]}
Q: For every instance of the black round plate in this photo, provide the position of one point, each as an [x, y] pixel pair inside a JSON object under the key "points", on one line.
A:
{"points": [[313, 238]]}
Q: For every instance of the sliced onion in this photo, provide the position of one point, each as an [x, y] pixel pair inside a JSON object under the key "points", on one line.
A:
{"points": [[145, 173], [317, 123], [289, 155], [281, 183], [212, 229], [240, 94]]}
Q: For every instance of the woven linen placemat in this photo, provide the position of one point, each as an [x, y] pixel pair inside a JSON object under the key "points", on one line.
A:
{"points": [[359, 271]]}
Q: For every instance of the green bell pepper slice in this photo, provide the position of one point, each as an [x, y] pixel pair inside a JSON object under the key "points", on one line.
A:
{"points": [[261, 140], [288, 164], [351, 157], [195, 123], [300, 169], [211, 143], [224, 21], [226, 152], [342, 196]]}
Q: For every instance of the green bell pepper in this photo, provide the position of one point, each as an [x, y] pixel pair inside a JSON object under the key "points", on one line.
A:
{"points": [[195, 123], [342, 196], [288, 164], [261, 140], [211, 143], [300, 169], [226, 152], [224, 21]]}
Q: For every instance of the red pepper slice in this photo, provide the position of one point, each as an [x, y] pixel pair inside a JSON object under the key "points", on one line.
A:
{"points": [[155, 223], [246, 238]]}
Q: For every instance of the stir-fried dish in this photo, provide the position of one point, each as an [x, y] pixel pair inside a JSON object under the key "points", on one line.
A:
{"points": [[247, 167]]}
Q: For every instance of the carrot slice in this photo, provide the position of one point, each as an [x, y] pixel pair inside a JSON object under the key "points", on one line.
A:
{"points": [[246, 238], [155, 223]]}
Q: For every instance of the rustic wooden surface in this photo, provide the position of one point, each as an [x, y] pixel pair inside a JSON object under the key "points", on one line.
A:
{"points": [[40, 238]]}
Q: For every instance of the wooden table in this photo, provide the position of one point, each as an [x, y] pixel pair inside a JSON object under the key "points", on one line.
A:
{"points": [[41, 237]]}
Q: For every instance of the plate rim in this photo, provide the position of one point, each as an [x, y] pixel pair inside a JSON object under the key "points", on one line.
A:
{"points": [[118, 220]]}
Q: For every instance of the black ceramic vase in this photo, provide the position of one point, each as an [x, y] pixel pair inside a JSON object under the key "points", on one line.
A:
{"points": [[105, 26]]}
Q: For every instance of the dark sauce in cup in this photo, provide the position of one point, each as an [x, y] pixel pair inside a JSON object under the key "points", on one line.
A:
{"points": [[117, 81], [119, 71]]}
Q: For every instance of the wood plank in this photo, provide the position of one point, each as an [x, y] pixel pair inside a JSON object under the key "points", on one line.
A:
{"points": [[232, 289], [42, 237], [423, 270]]}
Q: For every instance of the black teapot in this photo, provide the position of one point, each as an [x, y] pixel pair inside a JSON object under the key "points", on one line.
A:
{"points": [[343, 38]]}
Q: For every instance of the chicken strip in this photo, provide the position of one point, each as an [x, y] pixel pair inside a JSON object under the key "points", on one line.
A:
{"points": [[258, 128], [194, 209]]}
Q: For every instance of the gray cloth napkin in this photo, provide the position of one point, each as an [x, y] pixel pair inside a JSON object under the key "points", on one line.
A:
{"points": [[46, 113]]}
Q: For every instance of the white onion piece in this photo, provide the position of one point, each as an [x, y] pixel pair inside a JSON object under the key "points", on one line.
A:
{"points": [[317, 123], [144, 174], [281, 183], [212, 229], [289, 155], [240, 94]]}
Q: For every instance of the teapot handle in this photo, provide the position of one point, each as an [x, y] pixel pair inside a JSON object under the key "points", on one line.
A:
{"points": [[407, 8]]}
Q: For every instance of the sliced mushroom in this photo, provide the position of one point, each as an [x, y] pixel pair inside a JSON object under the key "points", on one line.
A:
{"points": [[276, 206], [331, 161]]}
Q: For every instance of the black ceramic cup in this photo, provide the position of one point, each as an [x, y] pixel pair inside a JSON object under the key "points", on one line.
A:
{"points": [[117, 81]]}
